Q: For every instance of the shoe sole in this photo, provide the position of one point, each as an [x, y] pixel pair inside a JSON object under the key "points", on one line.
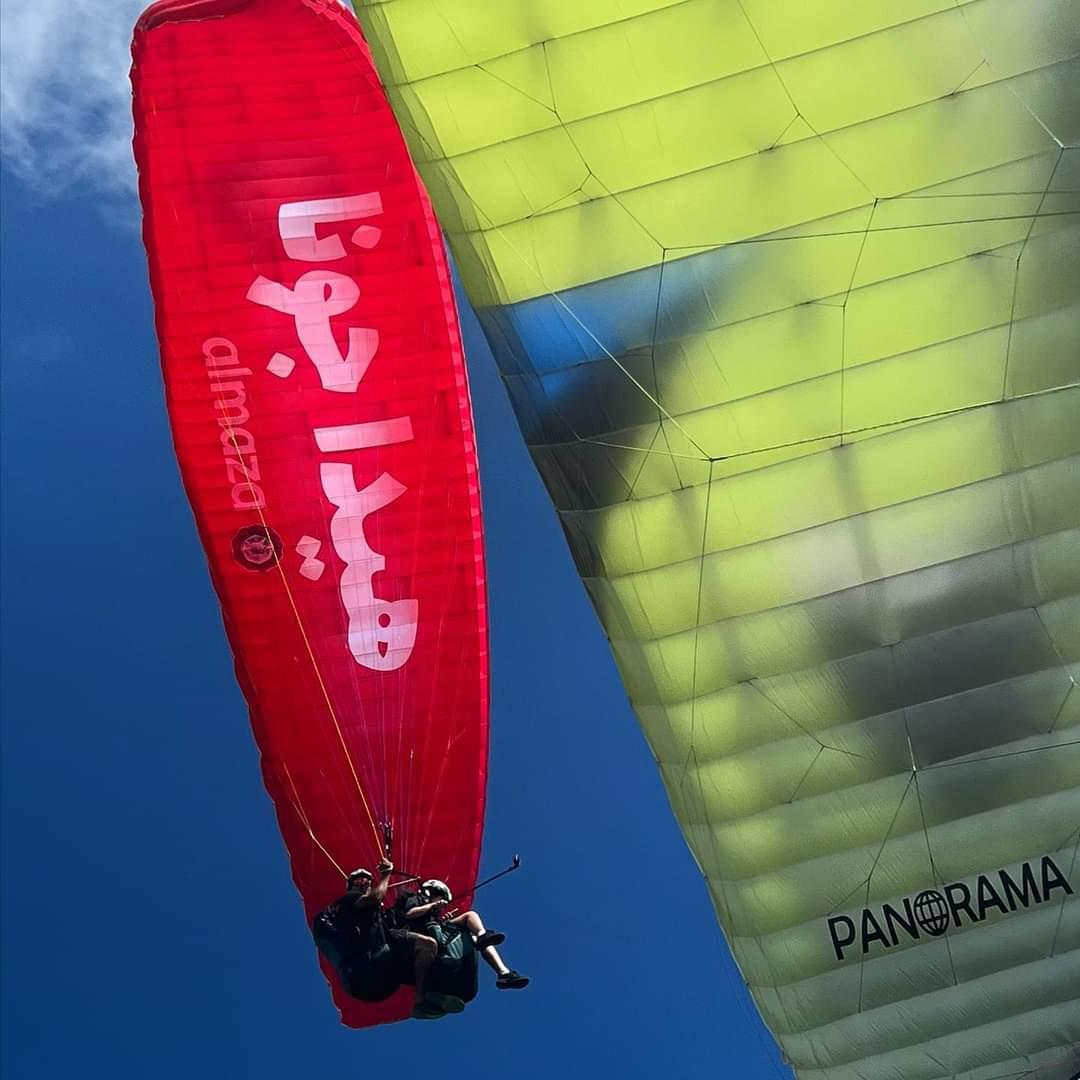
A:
{"points": [[428, 1015]]}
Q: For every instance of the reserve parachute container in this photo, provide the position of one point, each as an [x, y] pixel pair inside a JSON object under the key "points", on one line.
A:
{"points": [[785, 296]]}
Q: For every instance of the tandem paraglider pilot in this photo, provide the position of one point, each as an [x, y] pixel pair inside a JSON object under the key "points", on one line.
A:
{"points": [[376, 950], [354, 933]]}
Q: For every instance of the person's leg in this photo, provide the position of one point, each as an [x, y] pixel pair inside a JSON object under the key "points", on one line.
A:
{"points": [[430, 1004], [486, 940], [425, 950], [468, 920]]}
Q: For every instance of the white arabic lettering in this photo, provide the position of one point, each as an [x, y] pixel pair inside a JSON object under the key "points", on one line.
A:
{"points": [[398, 429], [298, 226], [319, 295], [381, 632]]}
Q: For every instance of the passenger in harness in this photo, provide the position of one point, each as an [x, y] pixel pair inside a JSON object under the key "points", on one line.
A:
{"points": [[371, 958], [423, 910]]}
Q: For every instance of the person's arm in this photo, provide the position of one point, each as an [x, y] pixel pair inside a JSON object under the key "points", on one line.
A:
{"points": [[424, 911], [385, 869], [353, 901]]}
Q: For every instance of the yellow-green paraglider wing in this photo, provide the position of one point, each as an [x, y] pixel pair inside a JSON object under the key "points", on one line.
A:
{"points": [[787, 300]]}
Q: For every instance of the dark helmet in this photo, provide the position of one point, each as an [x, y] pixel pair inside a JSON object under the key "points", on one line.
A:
{"points": [[360, 875]]}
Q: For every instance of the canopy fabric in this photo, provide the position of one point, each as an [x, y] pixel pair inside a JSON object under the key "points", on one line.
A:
{"points": [[787, 300]]}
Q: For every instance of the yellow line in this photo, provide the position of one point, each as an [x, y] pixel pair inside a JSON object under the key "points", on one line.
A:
{"points": [[303, 633], [298, 807]]}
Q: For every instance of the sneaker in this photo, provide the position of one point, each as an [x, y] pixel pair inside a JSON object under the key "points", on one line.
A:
{"points": [[512, 980], [423, 1011], [445, 1003], [490, 937]]}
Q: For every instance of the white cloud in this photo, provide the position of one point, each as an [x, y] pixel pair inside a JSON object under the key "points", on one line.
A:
{"points": [[65, 99]]}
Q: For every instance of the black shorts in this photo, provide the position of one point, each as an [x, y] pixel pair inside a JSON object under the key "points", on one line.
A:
{"points": [[403, 951]]}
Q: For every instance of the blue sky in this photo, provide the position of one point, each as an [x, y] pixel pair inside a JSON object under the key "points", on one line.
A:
{"points": [[150, 926]]}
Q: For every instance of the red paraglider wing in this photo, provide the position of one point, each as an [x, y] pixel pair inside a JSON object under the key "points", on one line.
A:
{"points": [[319, 405]]}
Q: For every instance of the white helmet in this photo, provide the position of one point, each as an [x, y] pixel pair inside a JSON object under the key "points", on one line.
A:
{"points": [[434, 888]]}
